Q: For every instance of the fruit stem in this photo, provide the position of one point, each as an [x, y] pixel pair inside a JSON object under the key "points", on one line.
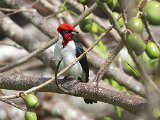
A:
{"points": [[138, 14], [141, 5], [128, 30]]}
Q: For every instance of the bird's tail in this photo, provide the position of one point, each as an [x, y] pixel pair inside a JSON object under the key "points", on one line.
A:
{"points": [[88, 101]]}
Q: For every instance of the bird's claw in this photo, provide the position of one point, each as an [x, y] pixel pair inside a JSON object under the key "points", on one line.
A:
{"points": [[68, 77]]}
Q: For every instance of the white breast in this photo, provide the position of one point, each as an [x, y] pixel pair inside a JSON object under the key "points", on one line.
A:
{"points": [[68, 55], [57, 49]]}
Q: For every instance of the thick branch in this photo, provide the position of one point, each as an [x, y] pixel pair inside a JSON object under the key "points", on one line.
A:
{"points": [[133, 104]]}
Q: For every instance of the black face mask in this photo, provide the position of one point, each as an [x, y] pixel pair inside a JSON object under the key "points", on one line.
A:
{"points": [[64, 32]]}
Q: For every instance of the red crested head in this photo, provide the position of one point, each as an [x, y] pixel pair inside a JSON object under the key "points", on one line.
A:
{"points": [[67, 32], [65, 26]]}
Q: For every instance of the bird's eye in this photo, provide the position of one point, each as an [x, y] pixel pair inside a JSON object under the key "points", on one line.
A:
{"points": [[67, 31]]}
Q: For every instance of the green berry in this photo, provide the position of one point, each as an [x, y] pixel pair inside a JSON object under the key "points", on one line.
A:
{"points": [[136, 43], [135, 24], [30, 115], [152, 50], [112, 4], [120, 21], [131, 13], [82, 1], [94, 28], [31, 101], [152, 11], [86, 25]]}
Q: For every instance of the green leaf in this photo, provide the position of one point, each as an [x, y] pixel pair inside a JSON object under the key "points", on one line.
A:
{"points": [[108, 118]]}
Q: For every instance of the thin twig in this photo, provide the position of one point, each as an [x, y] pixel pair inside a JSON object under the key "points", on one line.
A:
{"points": [[148, 29], [35, 3], [112, 18], [12, 103], [141, 5], [123, 11], [111, 56], [56, 80], [54, 14], [13, 45], [108, 62], [13, 11], [88, 11]]}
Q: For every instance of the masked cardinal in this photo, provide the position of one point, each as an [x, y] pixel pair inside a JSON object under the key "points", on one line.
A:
{"points": [[68, 49]]}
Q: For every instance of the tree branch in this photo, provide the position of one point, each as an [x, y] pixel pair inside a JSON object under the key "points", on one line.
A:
{"points": [[131, 103]]}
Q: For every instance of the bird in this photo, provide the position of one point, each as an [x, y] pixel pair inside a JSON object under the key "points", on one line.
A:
{"points": [[67, 49]]}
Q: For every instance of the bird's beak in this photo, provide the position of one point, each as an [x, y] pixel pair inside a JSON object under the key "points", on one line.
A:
{"points": [[75, 32]]}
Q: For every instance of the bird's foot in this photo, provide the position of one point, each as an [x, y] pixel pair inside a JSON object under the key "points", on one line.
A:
{"points": [[88, 101], [67, 82], [68, 77], [62, 87]]}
